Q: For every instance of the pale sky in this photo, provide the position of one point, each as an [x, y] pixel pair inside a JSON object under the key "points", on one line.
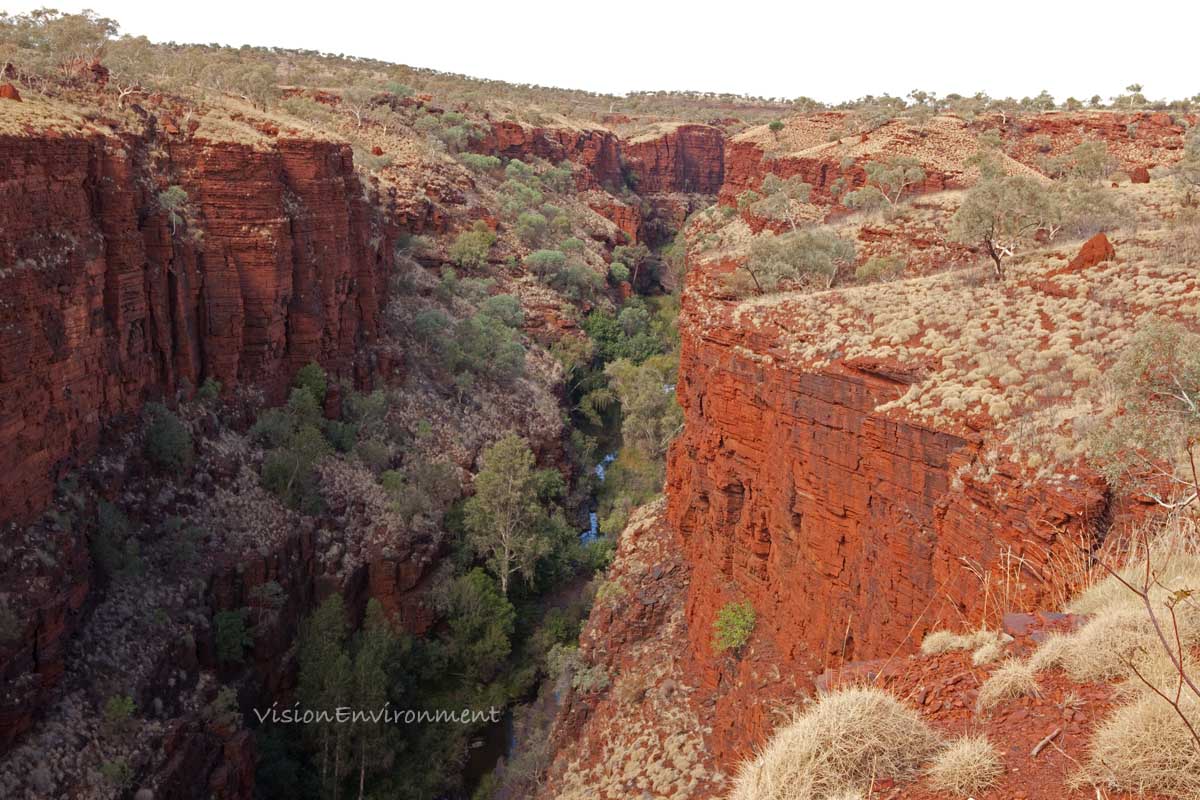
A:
{"points": [[831, 50]]}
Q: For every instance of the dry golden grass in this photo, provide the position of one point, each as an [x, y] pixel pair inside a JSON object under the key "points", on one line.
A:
{"points": [[1145, 747], [848, 739], [1119, 636], [1050, 652], [943, 144], [969, 764], [1014, 678], [986, 645], [988, 652], [35, 115]]}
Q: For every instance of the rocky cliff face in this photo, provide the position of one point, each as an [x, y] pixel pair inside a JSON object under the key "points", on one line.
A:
{"points": [[273, 261], [852, 531], [683, 158], [596, 150]]}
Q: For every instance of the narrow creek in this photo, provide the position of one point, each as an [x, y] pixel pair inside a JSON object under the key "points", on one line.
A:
{"points": [[500, 742]]}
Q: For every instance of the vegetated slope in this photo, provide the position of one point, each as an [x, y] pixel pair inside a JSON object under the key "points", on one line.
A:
{"points": [[209, 254]]}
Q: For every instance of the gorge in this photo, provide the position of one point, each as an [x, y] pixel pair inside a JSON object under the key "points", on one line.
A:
{"points": [[345, 300]]}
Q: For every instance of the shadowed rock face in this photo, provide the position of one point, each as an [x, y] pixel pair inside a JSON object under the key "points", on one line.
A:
{"points": [[105, 306], [690, 158], [596, 150]]}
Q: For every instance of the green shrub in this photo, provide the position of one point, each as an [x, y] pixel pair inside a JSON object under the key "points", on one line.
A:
{"points": [[591, 679], [880, 267], [173, 200], [517, 170], [612, 343], [733, 626], [231, 636], [374, 454], [516, 197], [113, 547], [810, 258], [118, 711], [470, 249], [209, 391], [531, 227], [618, 272], [168, 442], [577, 281], [342, 435], [545, 263], [487, 346], [505, 308], [560, 178], [430, 324], [312, 379], [289, 471], [117, 773], [273, 427], [479, 163]]}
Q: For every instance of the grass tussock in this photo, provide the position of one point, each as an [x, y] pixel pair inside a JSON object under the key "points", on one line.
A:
{"points": [[967, 765], [1119, 636], [1144, 747], [835, 749], [938, 642], [1014, 678], [1050, 652]]}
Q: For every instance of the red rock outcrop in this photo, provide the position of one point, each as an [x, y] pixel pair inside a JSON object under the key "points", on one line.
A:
{"points": [[277, 261], [627, 218], [1134, 139], [596, 150], [9, 92], [684, 158], [746, 165], [1139, 175], [852, 532]]}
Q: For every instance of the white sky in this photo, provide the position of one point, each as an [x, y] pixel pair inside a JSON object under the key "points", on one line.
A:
{"points": [[831, 50]]}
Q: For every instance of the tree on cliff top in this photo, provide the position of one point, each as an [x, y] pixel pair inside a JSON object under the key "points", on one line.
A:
{"points": [[886, 183], [1002, 214], [46, 41], [806, 258], [775, 197]]}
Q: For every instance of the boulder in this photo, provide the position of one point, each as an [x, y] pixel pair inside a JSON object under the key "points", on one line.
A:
{"points": [[1139, 175], [9, 92]]}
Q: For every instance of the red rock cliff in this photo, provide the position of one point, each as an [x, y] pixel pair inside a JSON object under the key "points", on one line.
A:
{"points": [[279, 263], [596, 150], [843, 525], [685, 158]]}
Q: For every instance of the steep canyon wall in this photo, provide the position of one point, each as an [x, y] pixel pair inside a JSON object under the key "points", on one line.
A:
{"points": [[274, 261]]}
